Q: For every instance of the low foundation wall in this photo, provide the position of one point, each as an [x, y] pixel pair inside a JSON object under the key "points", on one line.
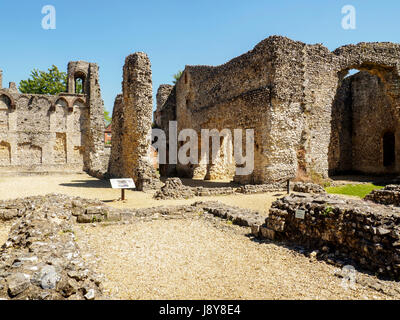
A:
{"points": [[389, 196], [367, 233]]}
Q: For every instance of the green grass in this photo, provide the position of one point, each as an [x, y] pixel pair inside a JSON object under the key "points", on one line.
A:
{"points": [[358, 190]]}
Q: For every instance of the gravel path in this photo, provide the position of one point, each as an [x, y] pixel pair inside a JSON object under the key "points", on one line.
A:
{"points": [[203, 259]]}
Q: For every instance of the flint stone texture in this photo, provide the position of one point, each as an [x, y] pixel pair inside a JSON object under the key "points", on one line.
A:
{"points": [[390, 195], [41, 260], [174, 189], [132, 156], [365, 232], [163, 93], [239, 216], [307, 188], [307, 117]]}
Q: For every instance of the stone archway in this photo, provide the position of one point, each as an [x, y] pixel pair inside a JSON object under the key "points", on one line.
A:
{"points": [[363, 110]]}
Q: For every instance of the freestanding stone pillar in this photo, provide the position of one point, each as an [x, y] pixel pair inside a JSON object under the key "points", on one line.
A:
{"points": [[134, 116]]}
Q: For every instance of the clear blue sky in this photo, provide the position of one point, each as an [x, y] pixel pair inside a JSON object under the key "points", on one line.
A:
{"points": [[174, 33]]}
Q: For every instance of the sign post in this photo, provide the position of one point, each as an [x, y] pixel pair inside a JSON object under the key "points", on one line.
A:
{"points": [[122, 184]]}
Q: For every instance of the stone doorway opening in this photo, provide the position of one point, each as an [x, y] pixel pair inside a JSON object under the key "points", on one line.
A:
{"points": [[389, 151]]}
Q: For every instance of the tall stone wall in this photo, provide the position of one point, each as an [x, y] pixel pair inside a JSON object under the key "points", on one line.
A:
{"points": [[167, 113], [361, 115], [286, 91], [163, 92], [96, 159], [133, 157], [43, 133], [236, 95], [117, 133]]}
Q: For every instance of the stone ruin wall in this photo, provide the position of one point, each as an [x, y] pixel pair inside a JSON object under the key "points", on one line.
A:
{"points": [[62, 133], [362, 113], [287, 91], [131, 127], [163, 93], [366, 233], [235, 95], [166, 112], [114, 166]]}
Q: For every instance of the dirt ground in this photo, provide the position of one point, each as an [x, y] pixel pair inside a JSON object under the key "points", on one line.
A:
{"points": [[85, 186]]}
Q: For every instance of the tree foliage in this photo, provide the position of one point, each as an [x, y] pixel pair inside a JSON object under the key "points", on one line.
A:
{"points": [[177, 76], [51, 82], [107, 117]]}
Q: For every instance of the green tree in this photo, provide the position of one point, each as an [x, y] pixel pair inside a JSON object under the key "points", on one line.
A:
{"points": [[52, 82], [177, 76], [41, 82], [107, 117]]}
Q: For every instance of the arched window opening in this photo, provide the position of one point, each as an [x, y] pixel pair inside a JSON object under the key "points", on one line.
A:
{"points": [[79, 83], [389, 154], [79, 86]]}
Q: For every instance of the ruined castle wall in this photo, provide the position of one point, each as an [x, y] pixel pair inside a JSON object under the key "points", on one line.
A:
{"points": [[340, 149], [167, 111], [163, 93], [362, 114], [96, 160], [287, 90], [44, 133], [373, 116], [117, 127], [134, 143], [287, 118], [235, 95]]}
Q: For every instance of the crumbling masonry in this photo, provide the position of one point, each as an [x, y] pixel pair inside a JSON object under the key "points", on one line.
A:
{"points": [[62, 133], [131, 127], [307, 115]]}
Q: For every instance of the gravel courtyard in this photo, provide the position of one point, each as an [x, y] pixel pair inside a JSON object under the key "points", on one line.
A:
{"points": [[192, 258], [203, 259]]}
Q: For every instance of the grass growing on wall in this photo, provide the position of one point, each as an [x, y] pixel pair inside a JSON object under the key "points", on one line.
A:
{"points": [[358, 190]]}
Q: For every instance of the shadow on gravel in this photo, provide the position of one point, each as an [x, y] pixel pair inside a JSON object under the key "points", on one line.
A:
{"points": [[327, 257], [88, 184]]}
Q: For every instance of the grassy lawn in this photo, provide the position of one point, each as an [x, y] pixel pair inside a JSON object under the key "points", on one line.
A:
{"points": [[358, 190]]}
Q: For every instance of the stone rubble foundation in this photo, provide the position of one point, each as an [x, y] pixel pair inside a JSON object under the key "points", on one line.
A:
{"points": [[41, 260], [174, 189], [390, 195], [367, 233]]}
